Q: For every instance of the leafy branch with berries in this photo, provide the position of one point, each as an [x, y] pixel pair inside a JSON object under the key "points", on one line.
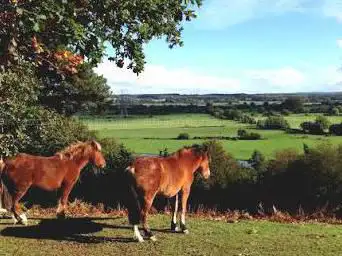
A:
{"points": [[61, 35]]}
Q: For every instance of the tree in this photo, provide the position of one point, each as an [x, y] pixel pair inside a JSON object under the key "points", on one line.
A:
{"points": [[258, 162], [273, 122], [294, 103], [241, 133], [323, 121], [315, 128], [27, 126], [333, 111], [59, 35], [84, 91], [336, 129]]}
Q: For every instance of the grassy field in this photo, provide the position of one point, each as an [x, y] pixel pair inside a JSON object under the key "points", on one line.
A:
{"points": [[112, 236], [150, 135]]}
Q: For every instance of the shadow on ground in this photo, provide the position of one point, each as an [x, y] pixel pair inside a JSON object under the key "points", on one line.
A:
{"points": [[73, 230]]}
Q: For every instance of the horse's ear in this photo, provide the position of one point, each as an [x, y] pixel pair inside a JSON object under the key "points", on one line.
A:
{"points": [[96, 145]]}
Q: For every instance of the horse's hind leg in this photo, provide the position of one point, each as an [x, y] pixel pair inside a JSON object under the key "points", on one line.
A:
{"points": [[174, 205], [185, 196], [148, 200]]}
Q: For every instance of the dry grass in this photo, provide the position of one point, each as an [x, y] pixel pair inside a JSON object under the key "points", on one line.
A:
{"points": [[78, 208]]}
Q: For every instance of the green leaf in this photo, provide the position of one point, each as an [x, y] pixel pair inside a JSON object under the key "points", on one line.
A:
{"points": [[20, 11], [42, 17], [36, 27]]}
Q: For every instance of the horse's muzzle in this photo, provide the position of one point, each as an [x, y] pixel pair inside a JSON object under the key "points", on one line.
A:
{"points": [[206, 175]]}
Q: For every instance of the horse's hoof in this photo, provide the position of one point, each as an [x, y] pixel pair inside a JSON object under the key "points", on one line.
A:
{"points": [[175, 230], [22, 222], [23, 219], [15, 221], [61, 216], [3, 211], [186, 231], [153, 238], [139, 239]]}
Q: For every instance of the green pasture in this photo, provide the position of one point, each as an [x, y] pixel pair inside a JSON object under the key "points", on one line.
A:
{"points": [[152, 134], [113, 236]]}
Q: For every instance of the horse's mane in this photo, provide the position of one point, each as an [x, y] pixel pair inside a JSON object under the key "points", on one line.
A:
{"points": [[77, 149], [196, 148]]}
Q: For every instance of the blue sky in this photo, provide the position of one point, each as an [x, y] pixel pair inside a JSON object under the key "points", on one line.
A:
{"points": [[245, 46]]}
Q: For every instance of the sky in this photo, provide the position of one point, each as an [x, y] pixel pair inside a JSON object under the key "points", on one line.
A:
{"points": [[245, 46]]}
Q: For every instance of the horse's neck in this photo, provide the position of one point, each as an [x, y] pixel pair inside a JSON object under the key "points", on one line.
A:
{"points": [[81, 162], [191, 161]]}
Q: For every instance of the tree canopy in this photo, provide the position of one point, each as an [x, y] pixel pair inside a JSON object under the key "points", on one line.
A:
{"points": [[60, 35]]}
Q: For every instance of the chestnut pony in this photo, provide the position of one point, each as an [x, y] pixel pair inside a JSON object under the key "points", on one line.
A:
{"points": [[167, 176], [60, 171]]}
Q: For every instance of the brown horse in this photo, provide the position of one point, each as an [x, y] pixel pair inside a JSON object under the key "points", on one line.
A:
{"points": [[60, 171], [166, 176]]}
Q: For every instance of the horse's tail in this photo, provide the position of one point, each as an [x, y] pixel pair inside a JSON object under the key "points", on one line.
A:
{"points": [[133, 199], [5, 195]]}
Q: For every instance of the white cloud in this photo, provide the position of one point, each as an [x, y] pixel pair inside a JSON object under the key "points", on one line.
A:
{"points": [[220, 14], [333, 8], [158, 79], [339, 43], [281, 78]]}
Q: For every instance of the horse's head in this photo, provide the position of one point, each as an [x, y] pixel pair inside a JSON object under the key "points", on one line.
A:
{"points": [[96, 156], [203, 168]]}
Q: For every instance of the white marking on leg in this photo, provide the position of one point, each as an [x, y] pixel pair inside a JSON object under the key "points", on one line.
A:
{"points": [[15, 221], [174, 218], [153, 238], [137, 234], [3, 211], [185, 231], [183, 218], [59, 208], [23, 219]]}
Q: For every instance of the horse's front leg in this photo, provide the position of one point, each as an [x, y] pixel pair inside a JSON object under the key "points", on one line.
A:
{"points": [[185, 196], [63, 200], [18, 216], [174, 206]]}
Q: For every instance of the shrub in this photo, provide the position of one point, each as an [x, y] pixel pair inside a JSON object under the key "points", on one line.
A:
{"points": [[286, 112], [241, 133], [318, 127], [254, 136], [183, 136], [244, 135], [273, 122], [334, 111], [106, 185], [323, 121], [233, 114], [258, 162], [225, 169], [312, 128], [336, 129], [247, 119]]}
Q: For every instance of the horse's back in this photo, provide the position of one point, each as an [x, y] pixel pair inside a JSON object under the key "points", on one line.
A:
{"points": [[145, 165], [146, 171], [30, 164], [158, 174]]}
